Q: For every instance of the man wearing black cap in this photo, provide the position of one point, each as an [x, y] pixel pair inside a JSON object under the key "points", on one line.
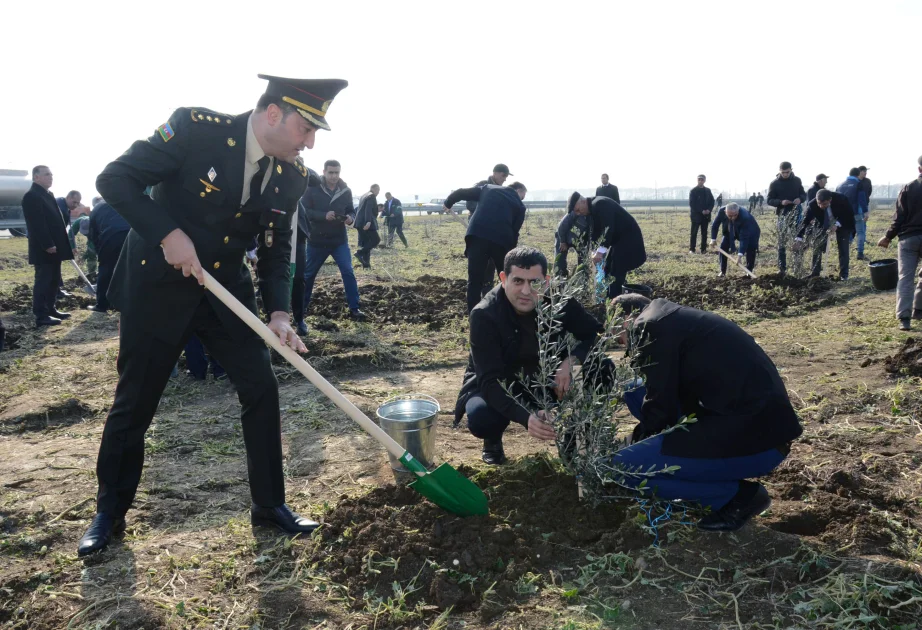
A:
{"points": [[619, 237], [818, 185], [491, 232], [498, 178], [608, 190], [907, 226], [829, 213], [218, 182], [700, 203], [786, 193]]}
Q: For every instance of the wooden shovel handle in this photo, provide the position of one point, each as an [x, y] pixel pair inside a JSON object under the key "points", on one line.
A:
{"points": [[736, 262], [301, 365]]}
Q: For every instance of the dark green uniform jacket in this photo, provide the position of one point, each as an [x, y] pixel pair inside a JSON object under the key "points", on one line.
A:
{"points": [[195, 163]]}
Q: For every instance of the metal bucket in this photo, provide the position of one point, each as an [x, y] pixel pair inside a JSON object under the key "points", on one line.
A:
{"points": [[410, 421]]}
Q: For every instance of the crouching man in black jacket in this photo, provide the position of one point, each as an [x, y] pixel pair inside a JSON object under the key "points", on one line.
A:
{"points": [[504, 344], [743, 420]]}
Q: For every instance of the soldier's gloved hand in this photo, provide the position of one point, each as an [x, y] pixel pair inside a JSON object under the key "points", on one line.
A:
{"points": [[179, 251], [280, 325]]}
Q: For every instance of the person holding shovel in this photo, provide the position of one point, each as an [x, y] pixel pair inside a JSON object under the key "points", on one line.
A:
{"points": [[737, 225], [219, 181]]}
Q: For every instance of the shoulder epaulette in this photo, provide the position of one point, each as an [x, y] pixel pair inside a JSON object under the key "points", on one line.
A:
{"points": [[208, 116], [300, 166]]}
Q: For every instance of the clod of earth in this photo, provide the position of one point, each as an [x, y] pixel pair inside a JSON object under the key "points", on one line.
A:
{"points": [[907, 361]]}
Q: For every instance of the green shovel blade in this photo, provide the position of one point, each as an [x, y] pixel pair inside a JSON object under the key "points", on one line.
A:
{"points": [[447, 488]]}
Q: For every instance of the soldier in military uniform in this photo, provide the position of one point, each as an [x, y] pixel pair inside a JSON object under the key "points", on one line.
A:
{"points": [[218, 181]]}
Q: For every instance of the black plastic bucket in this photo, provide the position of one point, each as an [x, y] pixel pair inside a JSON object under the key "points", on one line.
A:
{"points": [[883, 274], [641, 289]]}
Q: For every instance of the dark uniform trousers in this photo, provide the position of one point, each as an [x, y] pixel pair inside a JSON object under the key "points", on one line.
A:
{"points": [[108, 256], [697, 226], [144, 366], [45, 289], [297, 287], [482, 254]]}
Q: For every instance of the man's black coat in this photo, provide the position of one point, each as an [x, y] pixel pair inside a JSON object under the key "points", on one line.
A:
{"points": [[619, 232], [502, 217], [696, 362], [495, 343], [45, 226], [700, 200], [841, 212], [177, 164], [608, 190]]}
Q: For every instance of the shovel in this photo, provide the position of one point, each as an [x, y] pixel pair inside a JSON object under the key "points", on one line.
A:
{"points": [[89, 286], [444, 486], [736, 262]]}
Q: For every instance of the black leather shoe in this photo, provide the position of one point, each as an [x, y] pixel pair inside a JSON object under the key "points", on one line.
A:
{"points": [[99, 533], [357, 315], [917, 313], [61, 316], [493, 452], [96, 309], [281, 518], [747, 503], [302, 328], [64, 294], [47, 321]]}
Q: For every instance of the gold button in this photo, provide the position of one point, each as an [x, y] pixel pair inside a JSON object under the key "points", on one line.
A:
{"points": [[216, 119], [227, 121], [217, 265], [271, 225], [226, 240], [276, 189], [278, 169], [238, 215], [200, 117], [201, 194], [143, 262], [231, 142]]}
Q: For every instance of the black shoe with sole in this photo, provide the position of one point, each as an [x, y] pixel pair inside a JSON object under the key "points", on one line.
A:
{"points": [[302, 328], [61, 316], [47, 321], [281, 518], [357, 315], [493, 453], [751, 499], [99, 533]]}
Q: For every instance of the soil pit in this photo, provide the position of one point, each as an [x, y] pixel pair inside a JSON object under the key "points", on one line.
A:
{"points": [[769, 293], [430, 300], [536, 525], [907, 361]]}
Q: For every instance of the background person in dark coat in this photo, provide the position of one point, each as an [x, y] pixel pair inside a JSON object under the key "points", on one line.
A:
{"points": [[907, 226], [504, 345], [366, 222], [818, 185], [108, 231], [329, 211], [698, 363], [48, 246], [854, 191], [828, 213], [571, 230], [736, 224], [491, 232], [393, 212], [297, 282], [608, 190], [621, 241], [498, 178], [700, 204], [786, 194], [865, 186], [753, 200], [68, 204]]}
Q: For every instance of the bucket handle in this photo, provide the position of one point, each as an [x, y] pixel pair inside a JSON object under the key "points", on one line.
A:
{"points": [[414, 396]]}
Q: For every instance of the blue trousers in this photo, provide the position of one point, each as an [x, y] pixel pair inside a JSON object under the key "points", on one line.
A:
{"points": [[198, 363], [483, 421], [861, 231], [710, 482], [316, 256]]}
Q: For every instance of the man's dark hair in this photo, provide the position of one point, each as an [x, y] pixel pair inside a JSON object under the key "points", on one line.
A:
{"points": [[784, 166], [863, 168], [374, 186], [823, 195], [37, 169], [74, 193], [604, 174], [631, 303], [267, 99], [920, 160], [329, 163], [524, 257], [853, 172], [387, 194], [518, 186]]}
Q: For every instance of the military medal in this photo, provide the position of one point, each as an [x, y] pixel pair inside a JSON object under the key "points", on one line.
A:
{"points": [[270, 234], [212, 174]]}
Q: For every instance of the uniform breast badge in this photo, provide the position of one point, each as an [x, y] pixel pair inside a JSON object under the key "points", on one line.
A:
{"points": [[165, 131], [270, 237]]}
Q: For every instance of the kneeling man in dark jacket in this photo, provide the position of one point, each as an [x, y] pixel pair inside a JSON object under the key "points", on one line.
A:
{"points": [[743, 420], [504, 346]]}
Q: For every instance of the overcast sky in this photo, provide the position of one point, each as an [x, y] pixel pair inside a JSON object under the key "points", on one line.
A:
{"points": [[651, 92]]}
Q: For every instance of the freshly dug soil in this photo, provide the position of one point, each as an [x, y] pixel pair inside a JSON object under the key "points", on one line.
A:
{"points": [[536, 524], [907, 361], [430, 300], [769, 293], [19, 297]]}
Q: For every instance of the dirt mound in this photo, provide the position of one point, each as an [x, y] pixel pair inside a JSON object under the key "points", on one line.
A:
{"points": [[536, 526], [19, 297], [430, 300], [908, 359], [68, 412], [770, 293]]}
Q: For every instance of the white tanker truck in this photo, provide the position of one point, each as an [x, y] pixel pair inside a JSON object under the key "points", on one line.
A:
{"points": [[13, 185]]}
